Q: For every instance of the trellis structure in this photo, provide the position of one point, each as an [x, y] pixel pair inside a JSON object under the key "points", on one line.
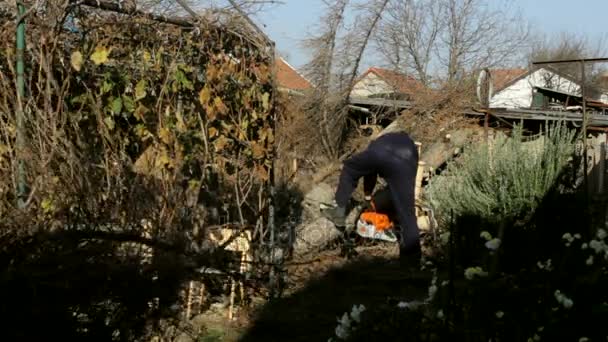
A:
{"points": [[114, 98]]}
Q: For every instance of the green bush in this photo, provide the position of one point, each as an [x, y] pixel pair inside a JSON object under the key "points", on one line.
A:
{"points": [[505, 178]]}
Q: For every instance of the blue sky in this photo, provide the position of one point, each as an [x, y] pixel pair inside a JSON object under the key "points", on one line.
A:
{"points": [[288, 23]]}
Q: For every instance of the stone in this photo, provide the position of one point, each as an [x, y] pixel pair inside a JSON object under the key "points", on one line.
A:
{"points": [[313, 236]]}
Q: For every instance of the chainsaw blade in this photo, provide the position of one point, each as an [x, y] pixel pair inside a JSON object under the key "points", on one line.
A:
{"points": [[369, 231]]}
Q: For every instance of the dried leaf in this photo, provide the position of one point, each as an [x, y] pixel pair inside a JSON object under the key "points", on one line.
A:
{"points": [[76, 60], [140, 112], [213, 132], [257, 150], [204, 95], [101, 54], [165, 135], [219, 105], [221, 143], [261, 172], [163, 159], [265, 101]]}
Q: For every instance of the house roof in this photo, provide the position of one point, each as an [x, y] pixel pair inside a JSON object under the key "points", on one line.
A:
{"points": [[289, 78], [501, 78], [504, 78], [399, 82]]}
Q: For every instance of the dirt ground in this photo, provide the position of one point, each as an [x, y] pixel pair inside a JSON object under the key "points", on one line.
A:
{"points": [[321, 290], [318, 291]]}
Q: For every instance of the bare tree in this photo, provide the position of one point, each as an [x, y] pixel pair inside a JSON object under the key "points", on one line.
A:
{"points": [[320, 68], [408, 34], [478, 35], [335, 65], [565, 46], [449, 37]]}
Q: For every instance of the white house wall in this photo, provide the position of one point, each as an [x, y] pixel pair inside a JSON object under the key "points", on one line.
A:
{"points": [[519, 94], [369, 85]]}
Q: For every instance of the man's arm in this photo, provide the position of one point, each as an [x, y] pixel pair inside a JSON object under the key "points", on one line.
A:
{"points": [[369, 183]]}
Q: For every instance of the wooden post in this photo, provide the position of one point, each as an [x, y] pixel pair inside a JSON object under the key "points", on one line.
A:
{"points": [[189, 301]]}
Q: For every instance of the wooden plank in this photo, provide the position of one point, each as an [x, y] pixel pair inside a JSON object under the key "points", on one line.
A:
{"points": [[380, 102], [529, 114]]}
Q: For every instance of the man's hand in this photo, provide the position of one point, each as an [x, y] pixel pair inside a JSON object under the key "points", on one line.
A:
{"points": [[368, 204]]}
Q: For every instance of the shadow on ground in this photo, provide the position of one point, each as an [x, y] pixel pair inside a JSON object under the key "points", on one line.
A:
{"points": [[311, 313]]}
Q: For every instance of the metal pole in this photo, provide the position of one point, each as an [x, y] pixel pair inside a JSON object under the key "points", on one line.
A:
{"points": [[21, 186], [585, 166]]}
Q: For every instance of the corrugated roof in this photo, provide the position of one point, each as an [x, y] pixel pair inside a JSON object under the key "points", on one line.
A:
{"points": [[288, 77]]}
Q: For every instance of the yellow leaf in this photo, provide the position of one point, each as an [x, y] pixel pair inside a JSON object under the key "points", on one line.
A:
{"points": [[165, 135], [140, 90], [163, 159], [146, 56], [213, 132], [101, 54], [47, 205], [76, 60], [219, 105], [204, 95]]}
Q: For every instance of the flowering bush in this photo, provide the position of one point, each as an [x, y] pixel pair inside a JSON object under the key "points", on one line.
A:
{"points": [[559, 295]]}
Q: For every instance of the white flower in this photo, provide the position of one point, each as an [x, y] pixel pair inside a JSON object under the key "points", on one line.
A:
{"points": [[471, 272], [583, 339], [563, 300], [493, 244], [589, 261], [409, 305], [577, 236], [499, 314], [568, 237], [485, 235], [440, 314], [597, 246], [356, 312], [584, 246], [342, 332], [601, 234], [445, 283], [432, 291], [345, 321]]}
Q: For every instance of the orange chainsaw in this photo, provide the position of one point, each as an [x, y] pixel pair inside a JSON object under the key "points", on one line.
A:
{"points": [[375, 225]]}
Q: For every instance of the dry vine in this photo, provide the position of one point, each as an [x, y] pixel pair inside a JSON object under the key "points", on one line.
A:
{"points": [[141, 132]]}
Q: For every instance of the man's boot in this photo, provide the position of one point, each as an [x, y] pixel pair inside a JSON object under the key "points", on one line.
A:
{"points": [[409, 258], [335, 214]]}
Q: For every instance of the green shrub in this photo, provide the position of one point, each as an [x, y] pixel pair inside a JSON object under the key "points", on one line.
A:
{"points": [[504, 178]]}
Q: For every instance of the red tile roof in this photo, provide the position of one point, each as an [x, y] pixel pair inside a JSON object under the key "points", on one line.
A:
{"points": [[399, 82], [502, 77], [288, 77]]}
